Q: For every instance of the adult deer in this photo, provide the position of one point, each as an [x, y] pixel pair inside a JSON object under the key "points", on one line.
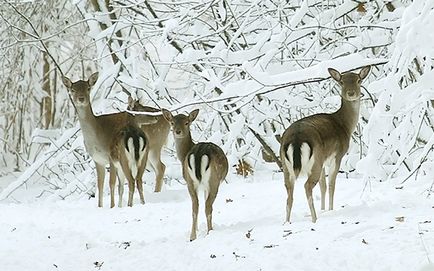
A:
{"points": [[112, 139], [204, 165], [157, 136], [321, 140]]}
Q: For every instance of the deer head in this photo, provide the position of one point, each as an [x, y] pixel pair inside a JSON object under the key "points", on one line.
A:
{"points": [[350, 82], [180, 123], [80, 90]]}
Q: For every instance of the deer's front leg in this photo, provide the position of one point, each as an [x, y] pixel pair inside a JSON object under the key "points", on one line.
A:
{"points": [[334, 169], [100, 174], [112, 184]]}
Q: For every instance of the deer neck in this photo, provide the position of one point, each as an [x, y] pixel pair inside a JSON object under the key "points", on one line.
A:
{"points": [[183, 146], [86, 117], [348, 114], [95, 140]]}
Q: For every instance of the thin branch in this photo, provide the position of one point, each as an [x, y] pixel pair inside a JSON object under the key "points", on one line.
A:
{"points": [[36, 34], [267, 148]]}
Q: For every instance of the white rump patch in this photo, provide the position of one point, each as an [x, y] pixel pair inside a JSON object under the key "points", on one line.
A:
{"points": [[289, 154], [203, 184], [132, 165], [141, 149], [206, 174], [141, 143], [306, 161], [192, 171]]}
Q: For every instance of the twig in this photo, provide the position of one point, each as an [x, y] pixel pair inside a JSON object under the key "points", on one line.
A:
{"points": [[423, 244], [36, 34], [267, 148]]}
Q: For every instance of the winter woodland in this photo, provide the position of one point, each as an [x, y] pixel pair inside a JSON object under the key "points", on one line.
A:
{"points": [[252, 67]]}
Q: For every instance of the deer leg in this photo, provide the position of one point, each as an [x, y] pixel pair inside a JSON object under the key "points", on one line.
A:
{"points": [[131, 187], [139, 181], [120, 188], [131, 182], [140, 189], [332, 181], [208, 208], [289, 184], [112, 184], [100, 174], [308, 186], [140, 171], [195, 209], [158, 167], [323, 187]]}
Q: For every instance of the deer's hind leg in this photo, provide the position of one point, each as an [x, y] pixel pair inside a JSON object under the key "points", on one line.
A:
{"points": [[289, 185], [195, 209], [194, 205], [323, 187], [139, 181], [312, 180], [212, 194], [121, 183], [125, 172]]}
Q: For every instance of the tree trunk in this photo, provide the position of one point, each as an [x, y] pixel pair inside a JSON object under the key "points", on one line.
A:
{"points": [[47, 102], [113, 18]]}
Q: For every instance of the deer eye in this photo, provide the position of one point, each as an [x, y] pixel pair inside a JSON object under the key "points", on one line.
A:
{"points": [[186, 123]]}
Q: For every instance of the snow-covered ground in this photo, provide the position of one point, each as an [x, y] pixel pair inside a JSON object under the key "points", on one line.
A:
{"points": [[376, 226]]}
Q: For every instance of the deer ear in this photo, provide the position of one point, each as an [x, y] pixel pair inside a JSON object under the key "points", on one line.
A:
{"points": [[131, 102], [167, 115], [93, 78], [193, 115], [335, 74], [364, 72], [67, 82]]}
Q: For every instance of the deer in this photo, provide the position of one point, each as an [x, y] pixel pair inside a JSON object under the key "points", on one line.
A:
{"points": [[321, 140], [157, 134], [113, 139], [204, 165]]}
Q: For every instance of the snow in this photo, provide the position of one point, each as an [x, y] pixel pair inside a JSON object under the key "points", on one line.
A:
{"points": [[318, 71], [23, 178], [376, 226], [270, 63]]}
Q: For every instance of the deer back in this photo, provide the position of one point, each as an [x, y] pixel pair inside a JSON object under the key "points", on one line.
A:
{"points": [[158, 132]]}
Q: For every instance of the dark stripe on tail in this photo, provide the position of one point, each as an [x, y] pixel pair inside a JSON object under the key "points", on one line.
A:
{"points": [[296, 156], [296, 153], [198, 151], [134, 133]]}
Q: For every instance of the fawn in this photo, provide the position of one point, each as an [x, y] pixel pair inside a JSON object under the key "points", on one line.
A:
{"points": [[204, 165]]}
